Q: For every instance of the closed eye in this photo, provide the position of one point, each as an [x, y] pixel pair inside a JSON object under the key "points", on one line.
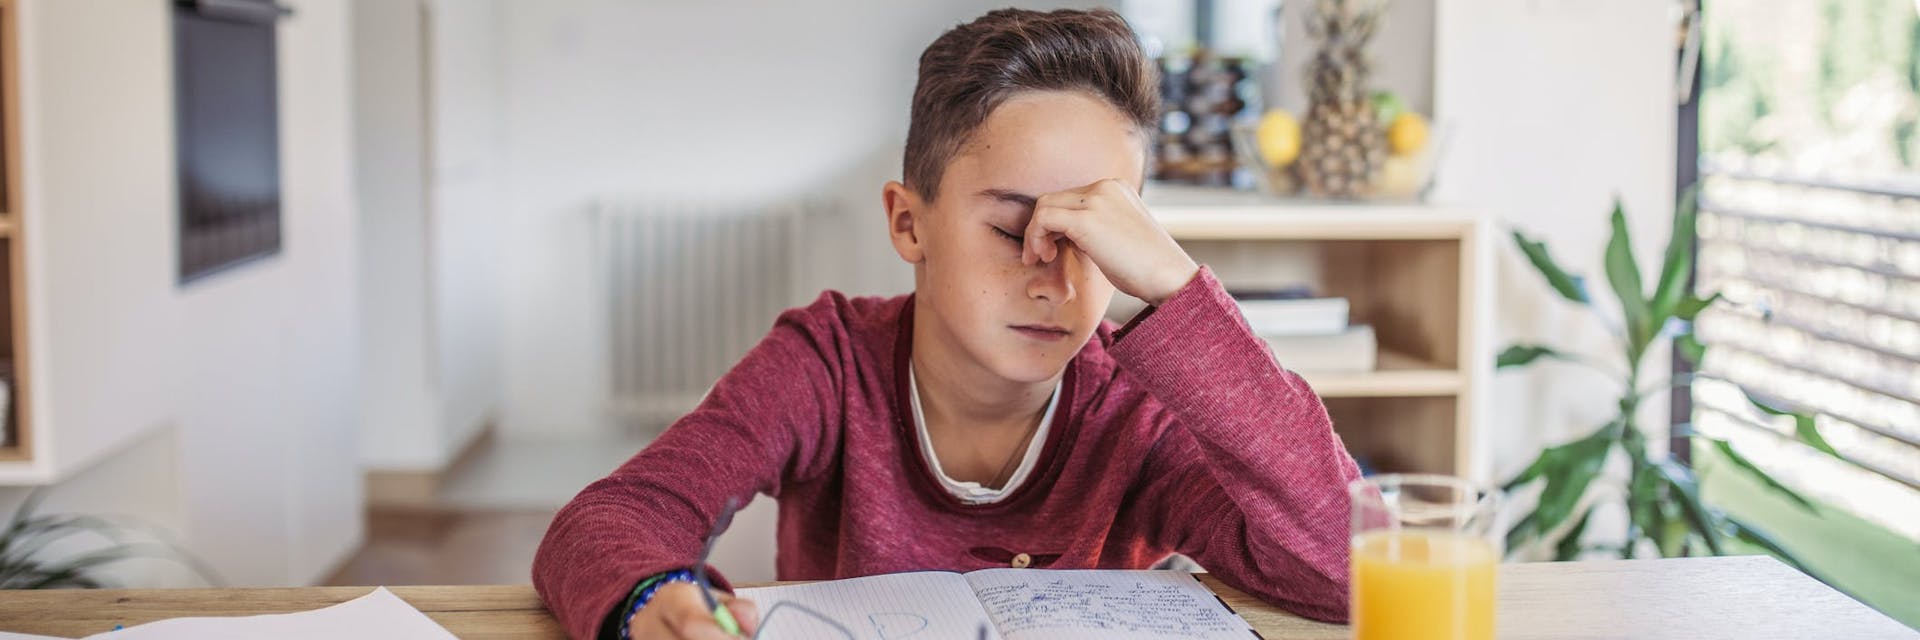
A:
{"points": [[1003, 233]]}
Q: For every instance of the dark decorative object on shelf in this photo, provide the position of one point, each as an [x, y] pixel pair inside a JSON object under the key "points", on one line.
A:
{"points": [[1201, 98]]}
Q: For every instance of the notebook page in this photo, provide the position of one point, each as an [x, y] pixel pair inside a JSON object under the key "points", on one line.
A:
{"points": [[1103, 605], [379, 614], [925, 605]]}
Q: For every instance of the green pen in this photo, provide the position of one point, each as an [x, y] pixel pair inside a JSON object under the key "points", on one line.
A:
{"points": [[721, 614], [725, 618]]}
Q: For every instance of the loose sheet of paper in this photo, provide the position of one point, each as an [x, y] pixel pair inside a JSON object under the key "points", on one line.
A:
{"points": [[920, 606], [379, 614], [1103, 605]]}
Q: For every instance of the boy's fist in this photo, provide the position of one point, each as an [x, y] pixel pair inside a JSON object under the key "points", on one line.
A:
{"points": [[677, 611]]}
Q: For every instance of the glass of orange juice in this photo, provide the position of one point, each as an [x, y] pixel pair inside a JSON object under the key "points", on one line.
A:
{"points": [[1424, 550]]}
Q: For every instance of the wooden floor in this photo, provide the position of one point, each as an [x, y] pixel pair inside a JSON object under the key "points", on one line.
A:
{"points": [[450, 547], [486, 520]]}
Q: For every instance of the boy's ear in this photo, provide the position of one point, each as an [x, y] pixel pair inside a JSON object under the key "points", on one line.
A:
{"points": [[904, 215]]}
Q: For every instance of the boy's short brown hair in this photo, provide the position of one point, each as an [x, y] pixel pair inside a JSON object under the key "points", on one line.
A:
{"points": [[971, 69]]}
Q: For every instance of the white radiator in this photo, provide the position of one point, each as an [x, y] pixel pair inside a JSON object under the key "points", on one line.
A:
{"points": [[690, 288]]}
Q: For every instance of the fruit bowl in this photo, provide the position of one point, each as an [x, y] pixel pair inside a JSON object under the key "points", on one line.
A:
{"points": [[1270, 149]]}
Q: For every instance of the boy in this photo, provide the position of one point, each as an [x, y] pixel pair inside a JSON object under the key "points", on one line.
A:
{"points": [[990, 418]]}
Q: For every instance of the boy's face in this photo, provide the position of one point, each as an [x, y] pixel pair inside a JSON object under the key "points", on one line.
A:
{"points": [[1021, 323]]}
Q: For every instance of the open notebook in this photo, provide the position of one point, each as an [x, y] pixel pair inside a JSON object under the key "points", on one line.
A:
{"points": [[1012, 604]]}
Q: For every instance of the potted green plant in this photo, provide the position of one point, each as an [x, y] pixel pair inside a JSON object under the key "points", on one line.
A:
{"points": [[1661, 495], [26, 563]]}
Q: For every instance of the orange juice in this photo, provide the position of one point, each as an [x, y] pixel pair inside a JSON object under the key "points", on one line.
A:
{"points": [[1415, 585]]}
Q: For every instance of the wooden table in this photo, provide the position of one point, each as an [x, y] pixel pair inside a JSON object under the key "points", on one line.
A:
{"points": [[1742, 598]]}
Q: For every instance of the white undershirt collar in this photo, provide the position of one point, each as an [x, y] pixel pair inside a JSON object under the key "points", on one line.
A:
{"points": [[973, 492]]}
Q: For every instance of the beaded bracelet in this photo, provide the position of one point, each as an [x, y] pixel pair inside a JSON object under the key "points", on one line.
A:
{"points": [[644, 592]]}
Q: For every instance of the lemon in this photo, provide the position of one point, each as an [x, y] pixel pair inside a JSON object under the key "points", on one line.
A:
{"points": [[1399, 177], [1279, 138], [1408, 133]]}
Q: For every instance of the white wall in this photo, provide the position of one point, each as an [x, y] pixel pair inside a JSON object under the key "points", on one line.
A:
{"points": [[430, 172], [466, 213], [1557, 107], [239, 389], [401, 420], [731, 99], [79, 126]]}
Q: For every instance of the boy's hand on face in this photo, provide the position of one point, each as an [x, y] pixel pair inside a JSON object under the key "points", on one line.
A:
{"points": [[1107, 221]]}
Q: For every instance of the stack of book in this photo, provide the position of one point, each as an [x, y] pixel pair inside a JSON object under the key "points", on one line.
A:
{"points": [[1307, 332]]}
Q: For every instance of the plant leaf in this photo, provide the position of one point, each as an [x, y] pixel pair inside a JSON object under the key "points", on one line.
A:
{"points": [[1528, 474], [1643, 506], [1569, 475], [1569, 546], [1741, 462], [40, 531], [53, 580], [1520, 533], [27, 535], [1690, 347], [74, 582], [1747, 533], [1522, 354], [1670, 539], [1624, 275], [76, 567], [45, 526], [1556, 457], [19, 521], [1677, 266], [1690, 307], [1569, 469], [1567, 285], [1804, 427], [1687, 489]]}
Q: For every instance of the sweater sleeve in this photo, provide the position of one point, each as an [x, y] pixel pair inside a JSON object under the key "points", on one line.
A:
{"points": [[762, 423], [1249, 478]]}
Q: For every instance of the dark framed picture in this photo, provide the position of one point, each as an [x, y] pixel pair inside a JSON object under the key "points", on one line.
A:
{"points": [[227, 133]]}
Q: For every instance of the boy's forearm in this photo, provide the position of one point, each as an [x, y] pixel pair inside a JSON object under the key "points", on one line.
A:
{"points": [[601, 544], [1196, 356], [1267, 440], [651, 515], [654, 513]]}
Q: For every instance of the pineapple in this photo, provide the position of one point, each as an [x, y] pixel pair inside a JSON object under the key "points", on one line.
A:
{"points": [[1344, 143]]}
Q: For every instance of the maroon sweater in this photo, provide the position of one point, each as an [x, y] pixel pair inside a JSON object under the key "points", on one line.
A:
{"points": [[1178, 433]]}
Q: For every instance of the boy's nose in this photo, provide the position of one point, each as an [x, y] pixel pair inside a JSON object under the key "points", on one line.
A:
{"points": [[1053, 281]]}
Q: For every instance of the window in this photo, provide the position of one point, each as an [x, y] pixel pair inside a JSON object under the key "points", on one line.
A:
{"points": [[1809, 138]]}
